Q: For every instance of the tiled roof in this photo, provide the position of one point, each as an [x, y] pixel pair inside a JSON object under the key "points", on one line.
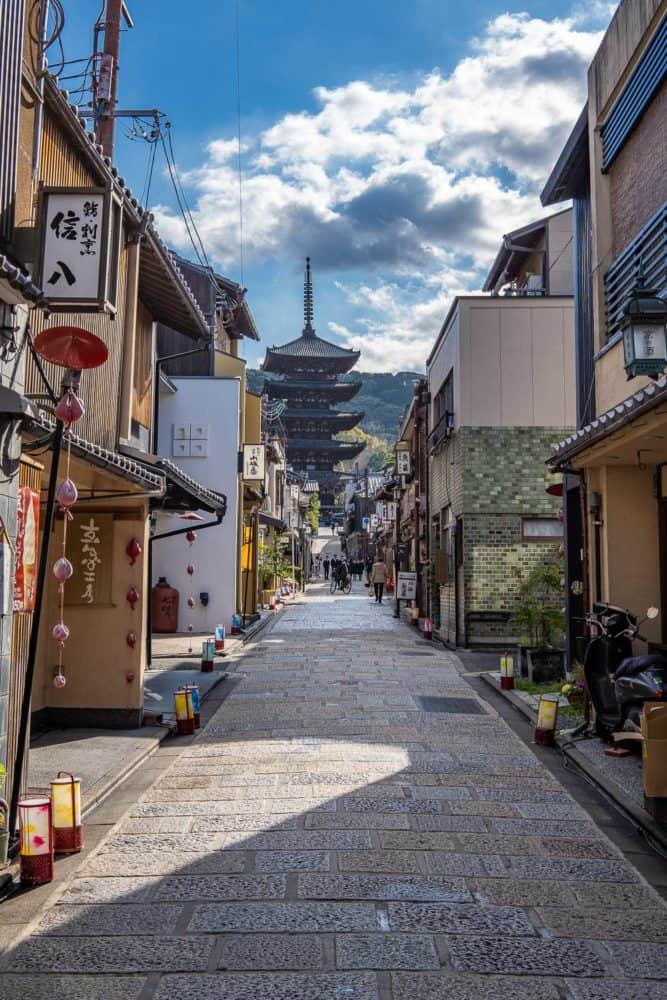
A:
{"points": [[21, 281], [644, 399], [312, 346]]}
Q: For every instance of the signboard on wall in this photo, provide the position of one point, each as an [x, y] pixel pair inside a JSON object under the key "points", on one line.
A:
{"points": [[27, 536], [403, 463], [90, 550], [253, 462], [406, 588], [80, 247]]}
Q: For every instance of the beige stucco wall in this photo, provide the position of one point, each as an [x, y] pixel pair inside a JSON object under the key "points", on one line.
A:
{"points": [[560, 255], [611, 383], [445, 359], [517, 362], [97, 657]]}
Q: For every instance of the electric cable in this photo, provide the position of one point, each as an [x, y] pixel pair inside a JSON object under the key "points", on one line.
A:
{"points": [[238, 131]]}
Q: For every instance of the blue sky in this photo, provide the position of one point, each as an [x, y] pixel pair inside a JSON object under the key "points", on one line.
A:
{"points": [[395, 143]]}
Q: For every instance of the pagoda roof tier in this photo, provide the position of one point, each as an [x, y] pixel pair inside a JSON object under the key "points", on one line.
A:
{"points": [[338, 420], [309, 353], [336, 450], [335, 390]]}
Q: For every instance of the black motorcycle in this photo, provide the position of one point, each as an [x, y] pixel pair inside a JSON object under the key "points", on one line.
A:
{"points": [[619, 683]]}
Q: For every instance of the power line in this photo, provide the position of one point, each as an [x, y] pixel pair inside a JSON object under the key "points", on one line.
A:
{"points": [[238, 130]]}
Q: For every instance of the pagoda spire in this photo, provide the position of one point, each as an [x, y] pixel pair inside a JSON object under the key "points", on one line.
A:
{"points": [[308, 330]]}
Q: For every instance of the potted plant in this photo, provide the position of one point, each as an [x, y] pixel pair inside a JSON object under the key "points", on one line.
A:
{"points": [[541, 621], [274, 566]]}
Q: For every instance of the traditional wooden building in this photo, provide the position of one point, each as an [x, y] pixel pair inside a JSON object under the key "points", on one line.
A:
{"points": [[306, 373]]}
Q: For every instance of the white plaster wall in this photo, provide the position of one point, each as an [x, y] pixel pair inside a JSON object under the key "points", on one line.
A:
{"points": [[214, 401], [443, 361]]}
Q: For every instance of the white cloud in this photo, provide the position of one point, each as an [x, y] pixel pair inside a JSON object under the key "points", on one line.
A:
{"points": [[412, 188]]}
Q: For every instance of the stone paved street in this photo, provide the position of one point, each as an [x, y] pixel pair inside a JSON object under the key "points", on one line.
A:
{"points": [[355, 822]]}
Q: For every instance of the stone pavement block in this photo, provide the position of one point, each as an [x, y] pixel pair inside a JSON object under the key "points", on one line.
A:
{"points": [[417, 841], [639, 960], [383, 887], [444, 863], [509, 892], [292, 805], [283, 917], [48, 987], [606, 989], [392, 805], [385, 951], [544, 807], [478, 808], [160, 842], [622, 895], [135, 889], [110, 954], [245, 824], [267, 986], [543, 828], [157, 824], [459, 918], [292, 861], [123, 863], [380, 861], [573, 870], [225, 808], [627, 924], [524, 956], [450, 824], [214, 887], [576, 847], [305, 840], [110, 918], [357, 821], [271, 952], [445, 986]]}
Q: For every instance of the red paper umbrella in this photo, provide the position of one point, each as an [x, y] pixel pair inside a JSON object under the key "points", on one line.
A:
{"points": [[71, 347], [555, 490]]}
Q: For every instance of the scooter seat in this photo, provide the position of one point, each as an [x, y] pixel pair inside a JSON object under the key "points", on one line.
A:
{"points": [[634, 665]]}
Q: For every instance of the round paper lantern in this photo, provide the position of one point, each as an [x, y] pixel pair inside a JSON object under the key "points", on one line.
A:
{"points": [[69, 409], [66, 494], [62, 569], [35, 839], [60, 633]]}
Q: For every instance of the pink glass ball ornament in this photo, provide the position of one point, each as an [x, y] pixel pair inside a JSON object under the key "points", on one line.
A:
{"points": [[132, 596], [59, 681], [69, 409], [191, 602], [191, 536], [66, 494], [190, 568], [62, 569], [60, 633], [131, 639], [133, 550]]}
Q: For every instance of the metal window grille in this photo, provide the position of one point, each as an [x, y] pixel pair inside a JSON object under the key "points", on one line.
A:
{"points": [[649, 251]]}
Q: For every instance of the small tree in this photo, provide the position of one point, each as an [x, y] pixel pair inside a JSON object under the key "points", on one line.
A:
{"points": [[313, 514], [539, 615], [273, 560]]}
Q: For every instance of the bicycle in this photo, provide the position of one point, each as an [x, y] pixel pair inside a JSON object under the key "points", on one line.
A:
{"points": [[345, 585]]}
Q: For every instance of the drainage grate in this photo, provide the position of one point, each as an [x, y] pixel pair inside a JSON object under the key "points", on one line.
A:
{"points": [[452, 706], [415, 652]]}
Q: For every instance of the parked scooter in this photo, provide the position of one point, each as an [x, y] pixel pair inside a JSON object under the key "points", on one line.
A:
{"points": [[619, 683]]}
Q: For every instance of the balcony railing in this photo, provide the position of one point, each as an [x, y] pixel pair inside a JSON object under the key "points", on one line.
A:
{"points": [[648, 250]]}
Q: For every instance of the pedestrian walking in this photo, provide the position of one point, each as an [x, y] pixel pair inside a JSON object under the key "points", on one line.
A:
{"points": [[369, 567], [378, 579], [318, 566], [326, 565]]}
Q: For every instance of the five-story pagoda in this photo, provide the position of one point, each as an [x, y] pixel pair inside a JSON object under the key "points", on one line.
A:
{"points": [[305, 373]]}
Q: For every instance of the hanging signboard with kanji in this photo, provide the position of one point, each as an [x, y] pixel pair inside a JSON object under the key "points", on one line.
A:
{"points": [[253, 462], [90, 550], [403, 463], [25, 564], [80, 248]]}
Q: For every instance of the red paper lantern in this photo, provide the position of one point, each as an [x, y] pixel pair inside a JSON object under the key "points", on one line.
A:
{"points": [[131, 639], [132, 596], [133, 550]]}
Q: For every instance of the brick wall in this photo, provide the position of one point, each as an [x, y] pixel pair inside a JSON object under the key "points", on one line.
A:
{"points": [[638, 176], [492, 476]]}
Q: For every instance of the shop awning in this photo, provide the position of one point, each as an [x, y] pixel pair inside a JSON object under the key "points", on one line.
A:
{"points": [[269, 521], [610, 423]]}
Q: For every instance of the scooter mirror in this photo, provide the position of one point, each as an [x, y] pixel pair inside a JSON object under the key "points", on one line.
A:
{"points": [[652, 613]]}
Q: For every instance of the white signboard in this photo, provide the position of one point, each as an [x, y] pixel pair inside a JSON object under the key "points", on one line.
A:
{"points": [[80, 247], [403, 463], [294, 492], [253, 461], [365, 523], [406, 588], [375, 520], [391, 511]]}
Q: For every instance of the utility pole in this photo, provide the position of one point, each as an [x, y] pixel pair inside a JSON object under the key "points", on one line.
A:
{"points": [[105, 97]]}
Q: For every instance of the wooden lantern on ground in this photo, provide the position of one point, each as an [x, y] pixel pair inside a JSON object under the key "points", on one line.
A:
{"points": [[547, 716], [506, 672], [185, 716], [196, 702], [35, 839], [67, 826]]}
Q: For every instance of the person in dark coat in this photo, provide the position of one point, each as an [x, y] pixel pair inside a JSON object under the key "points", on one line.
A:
{"points": [[326, 565]]}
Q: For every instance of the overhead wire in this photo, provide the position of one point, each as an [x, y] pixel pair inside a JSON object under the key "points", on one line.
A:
{"points": [[238, 134]]}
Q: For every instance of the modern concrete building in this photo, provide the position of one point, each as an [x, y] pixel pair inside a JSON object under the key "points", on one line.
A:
{"points": [[614, 167], [501, 384]]}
